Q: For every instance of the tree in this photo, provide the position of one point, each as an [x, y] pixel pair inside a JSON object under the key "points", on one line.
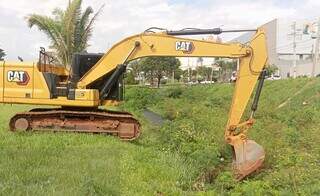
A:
{"points": [[227, 67], [157, 67], [2, 54], [135, 68], [133, 72], [271, 69], [178, 75], [200, 61], [130, 78], [68, 30], [204, 73]]}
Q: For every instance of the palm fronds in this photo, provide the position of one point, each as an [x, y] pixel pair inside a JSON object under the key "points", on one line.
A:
{"points": [[68, 30]]}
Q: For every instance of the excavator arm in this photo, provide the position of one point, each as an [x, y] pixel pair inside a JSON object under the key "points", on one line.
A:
{"points": [[248, 155]]}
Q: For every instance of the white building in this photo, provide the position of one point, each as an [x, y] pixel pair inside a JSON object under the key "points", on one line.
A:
{"points": [[281, 41]]}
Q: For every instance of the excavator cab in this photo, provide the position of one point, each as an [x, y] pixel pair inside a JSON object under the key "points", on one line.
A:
{"points": [[82, 63], [62, 82]]}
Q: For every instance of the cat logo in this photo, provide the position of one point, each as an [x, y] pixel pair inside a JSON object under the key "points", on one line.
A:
{"points": [[20, 77], [80, 94], [184, 46]]}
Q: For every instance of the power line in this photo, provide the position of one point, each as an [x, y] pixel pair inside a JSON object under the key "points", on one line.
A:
{"points": [[294, 50], [304, 47], [289, 45], [316, 50], [299, 44]]}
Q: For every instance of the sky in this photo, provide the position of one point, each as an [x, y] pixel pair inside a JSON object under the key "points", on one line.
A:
{"points": [[122, 18]]}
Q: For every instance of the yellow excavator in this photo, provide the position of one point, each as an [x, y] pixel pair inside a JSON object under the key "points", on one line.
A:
{"points": [[96, 80]]}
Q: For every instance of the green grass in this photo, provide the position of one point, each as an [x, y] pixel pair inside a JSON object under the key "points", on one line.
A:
{"points": [[185, 156], [57, 164]]}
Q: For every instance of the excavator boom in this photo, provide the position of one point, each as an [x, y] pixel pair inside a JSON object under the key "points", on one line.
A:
{"points": [[159, 44]]}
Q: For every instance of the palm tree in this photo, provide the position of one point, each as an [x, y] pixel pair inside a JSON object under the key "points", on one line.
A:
{"points": [[68, 30], [2, 54]]}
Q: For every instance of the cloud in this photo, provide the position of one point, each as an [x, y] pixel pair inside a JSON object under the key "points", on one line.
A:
{"points": [[122, 18]]}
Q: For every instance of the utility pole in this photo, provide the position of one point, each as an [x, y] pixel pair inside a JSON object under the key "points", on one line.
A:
{"points": [[211, 76], [316, 50], [294, 50], [172, 76], [238, 65], [188, 69]]}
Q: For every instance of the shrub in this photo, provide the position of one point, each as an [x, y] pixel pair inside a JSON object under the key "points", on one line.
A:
{"points": [[175, 92], [140, 98]]}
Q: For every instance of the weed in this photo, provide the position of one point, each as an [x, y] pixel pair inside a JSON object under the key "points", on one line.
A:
{"points": [[186, 156]]}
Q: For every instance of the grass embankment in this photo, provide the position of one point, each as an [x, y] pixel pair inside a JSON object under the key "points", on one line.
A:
{"points": [[185, 156]]}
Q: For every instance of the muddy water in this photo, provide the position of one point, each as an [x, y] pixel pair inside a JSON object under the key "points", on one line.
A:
{"points": [[154, 118]]}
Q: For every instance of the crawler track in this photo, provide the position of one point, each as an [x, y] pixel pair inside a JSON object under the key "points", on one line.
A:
{"points": [[120, 124]]}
